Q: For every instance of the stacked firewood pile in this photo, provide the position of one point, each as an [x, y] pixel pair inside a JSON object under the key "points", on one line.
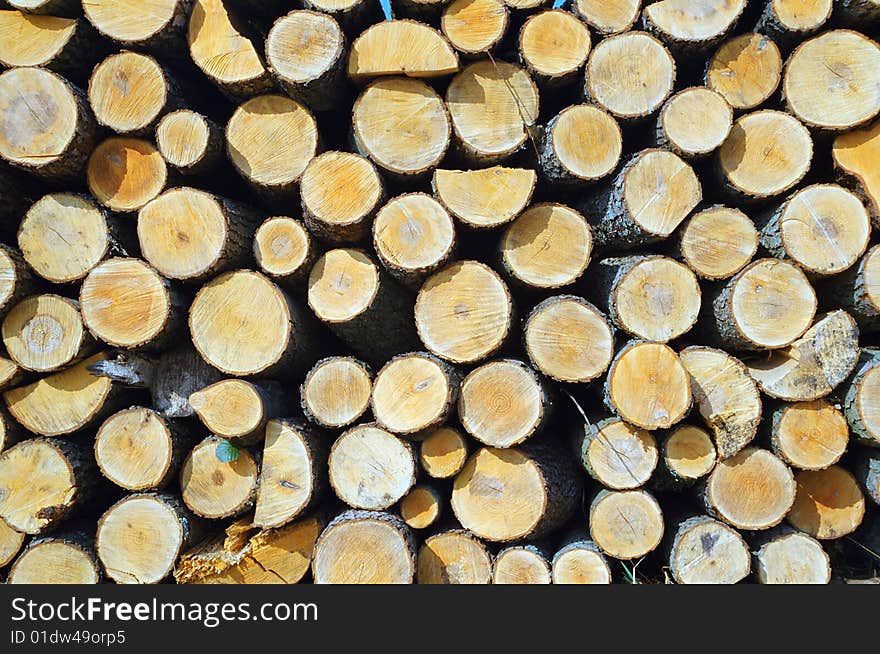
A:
{"points": [[489, 292]]}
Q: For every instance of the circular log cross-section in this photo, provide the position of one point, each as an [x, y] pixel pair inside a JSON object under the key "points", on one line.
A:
{"points": [[568, 339], [695, 106], [340, 194], [503, 403], [626, 524], [858, 291], [45, 332], [790, 21], [651, 297], [616, 454], [336, 392], [750, 490], [46, 126], [648, 199], [792, 558], [243, 324], [283, 249], [706, 551], [413, 236], [580, 562], [269, 140], [861, 398], [126, 303], [364, 547], [129, 92], [186, 233], [745, 70], [768, 304], [421, 507], [474, 27], [189, 141], [691, 28], [55, 561], [493, 105], [42, 481], [234, 408], [137, 449], [766, 154], [10, 543], [140, 537], [443, 453], [414, 393], [126, 173], [402, 47], [401, 124], [829, 503], [688, 454], [223, 52], [454, 557], [581, 144], [151, 24], [630, 75], [54, 42], [487, 197], [554, 45], [823, 228], [855, 154], [648, 386], [218, 488], [521, 564], [305, 51], [16, 280], [718, 242], [292, 473], [809, 435], [69, 223], [371, 468], [831, 80], [547, 246], [464, 312], [505, 495], [607, 17]]}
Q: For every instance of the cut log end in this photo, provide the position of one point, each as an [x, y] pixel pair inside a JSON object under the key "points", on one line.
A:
{"points": [[752, 490], [502, 403], [125, 303], [547, 246], [810, 435], [443, 453], [134, 449], [717, 243], [830, 80], [862, 399], [705, 551], [386, 104], [475, 26], [126, 173], [582, 144], [214, 487], [232, 408], [10, 543], [490, 121], [421, 507], [692, 29], [626, 524], [829, 503], [139, 539], [340, 193], [854, 154], [131, 21], [371, 468], [188, 141], [283, 249], [554, 46], [792, 558], [364, 547], [401, 47], [568, 339], [128, 91], [688, 453], [523, 564], [580, 562], [342, 285], [745, 70], [766, 154], [336, 392], [618, 455], [695, 106], [454, 557], [44, 333], [608, 17], [646, 85], [414, 393], [464, 312], [54, 561], [485, 198], [648, 386]]}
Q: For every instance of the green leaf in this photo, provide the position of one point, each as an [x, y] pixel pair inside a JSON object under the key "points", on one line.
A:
{"points": [[226, 452]]}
